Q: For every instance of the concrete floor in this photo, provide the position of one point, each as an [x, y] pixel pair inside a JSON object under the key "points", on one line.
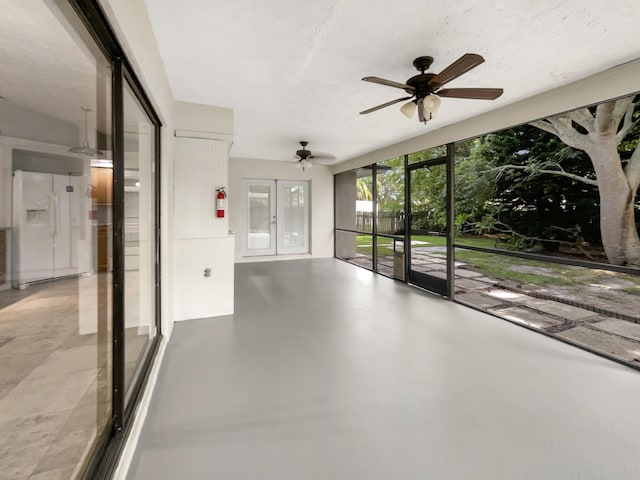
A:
{"points": [[329, 371]]}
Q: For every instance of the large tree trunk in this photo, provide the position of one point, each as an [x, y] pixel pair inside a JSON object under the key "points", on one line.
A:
{"points": [[617, 220], [617, 186]]}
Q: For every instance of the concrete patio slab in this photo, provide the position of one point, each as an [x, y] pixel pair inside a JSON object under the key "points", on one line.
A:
{"points": [[479, 300], [462, 272], [468, 284], [522, 315], [621, 327], [599, 340], [507, 295], [560, 309]]}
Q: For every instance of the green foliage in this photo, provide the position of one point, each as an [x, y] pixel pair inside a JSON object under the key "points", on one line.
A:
{"points": [[539, 206], [390, 179], [475, 186], [363, 188]]}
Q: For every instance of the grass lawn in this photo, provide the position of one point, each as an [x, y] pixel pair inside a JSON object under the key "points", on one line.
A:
{"points": [[498, 266]]}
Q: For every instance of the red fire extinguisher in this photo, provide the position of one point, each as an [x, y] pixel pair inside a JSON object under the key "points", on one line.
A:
{"points": [[220, 198]]}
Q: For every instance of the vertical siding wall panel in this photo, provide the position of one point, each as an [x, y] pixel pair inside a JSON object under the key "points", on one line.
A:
{"points": [[201, 166]]}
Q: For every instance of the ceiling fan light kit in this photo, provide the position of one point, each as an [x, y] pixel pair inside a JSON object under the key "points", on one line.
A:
{"points": [[85, 150], [304, 156], [425, 88], [304, 164], [430, 105], [409, 108]]}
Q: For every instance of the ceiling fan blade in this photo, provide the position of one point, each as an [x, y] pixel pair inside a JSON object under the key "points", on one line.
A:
{"points": [[457, 68], [322, 156], [476, 93], [322, 160], [384, 105], [388, 83], [421, 112]]}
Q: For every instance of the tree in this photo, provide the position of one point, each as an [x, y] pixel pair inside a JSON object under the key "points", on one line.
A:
{"points": [[363, 188], [527, 206], [390, 178], [599, 131]]}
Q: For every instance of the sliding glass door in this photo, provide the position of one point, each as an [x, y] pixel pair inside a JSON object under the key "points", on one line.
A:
{"points": [[79, 241]]}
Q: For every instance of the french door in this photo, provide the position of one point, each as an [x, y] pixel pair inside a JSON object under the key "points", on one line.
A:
{"points": [[276, 217]]}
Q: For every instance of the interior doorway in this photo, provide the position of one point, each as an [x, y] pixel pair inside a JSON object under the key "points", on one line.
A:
{"points": [[276, 216]]}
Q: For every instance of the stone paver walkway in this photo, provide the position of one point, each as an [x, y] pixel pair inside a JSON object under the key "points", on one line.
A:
{"points": [[573, 317]]}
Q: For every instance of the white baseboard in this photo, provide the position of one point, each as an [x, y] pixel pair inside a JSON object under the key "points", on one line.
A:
{"points": [[140, 415]]}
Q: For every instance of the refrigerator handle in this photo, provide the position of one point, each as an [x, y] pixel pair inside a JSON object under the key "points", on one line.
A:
{"points": [[53, 216]]}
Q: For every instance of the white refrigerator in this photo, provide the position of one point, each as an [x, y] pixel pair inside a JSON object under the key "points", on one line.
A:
{"points": [[49, 215]]}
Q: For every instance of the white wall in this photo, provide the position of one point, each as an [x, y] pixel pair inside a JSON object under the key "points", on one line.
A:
{"points": [[28, 125], [321, 181], [615, 82]]}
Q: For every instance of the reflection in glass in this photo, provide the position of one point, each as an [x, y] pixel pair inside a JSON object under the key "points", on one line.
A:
{"points": [[139, 236], [55, 244]]}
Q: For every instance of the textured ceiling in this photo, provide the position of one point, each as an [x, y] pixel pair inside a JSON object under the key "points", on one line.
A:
{"points": [[44, 68], [291, 69]]}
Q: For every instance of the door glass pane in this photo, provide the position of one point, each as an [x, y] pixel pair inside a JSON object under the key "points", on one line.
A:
{"points": [[293, 217], [390, 198], [294, 221], [364, 199], [55, 241], [139, 237], [260, 207], [428, 224]]}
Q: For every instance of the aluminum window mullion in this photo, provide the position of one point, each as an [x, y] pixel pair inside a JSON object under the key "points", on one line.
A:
{"points": [[118, 248]]}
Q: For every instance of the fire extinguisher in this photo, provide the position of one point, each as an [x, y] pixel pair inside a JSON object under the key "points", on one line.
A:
{"points": [[220, 197]]}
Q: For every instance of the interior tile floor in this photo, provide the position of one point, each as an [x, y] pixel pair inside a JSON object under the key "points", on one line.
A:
{"points": [[329, 371], [55, 379]]}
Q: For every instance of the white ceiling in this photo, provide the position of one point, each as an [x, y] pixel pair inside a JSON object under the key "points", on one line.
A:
{"points": [[291, 69], [43, 67]]}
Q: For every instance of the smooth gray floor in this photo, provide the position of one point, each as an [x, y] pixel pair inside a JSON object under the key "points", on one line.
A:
{"points": [[328, 371]]}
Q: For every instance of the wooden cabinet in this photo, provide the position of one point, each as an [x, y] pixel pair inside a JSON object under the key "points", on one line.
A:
{"points": [[3, 257], [102, 185], [103, 248]]}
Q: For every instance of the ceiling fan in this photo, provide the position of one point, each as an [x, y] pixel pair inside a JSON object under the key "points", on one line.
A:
{"points": [[304, 157], [425, 91]]}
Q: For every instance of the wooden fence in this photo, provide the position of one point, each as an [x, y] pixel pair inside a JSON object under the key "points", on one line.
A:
{"points": [[391, 223]]}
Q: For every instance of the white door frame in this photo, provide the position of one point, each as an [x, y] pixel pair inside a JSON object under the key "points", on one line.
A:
{"points": [[277, 217]]}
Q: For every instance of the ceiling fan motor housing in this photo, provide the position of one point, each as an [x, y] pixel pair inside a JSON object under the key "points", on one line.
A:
{"points": [[304, 153], [421, 86]]}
